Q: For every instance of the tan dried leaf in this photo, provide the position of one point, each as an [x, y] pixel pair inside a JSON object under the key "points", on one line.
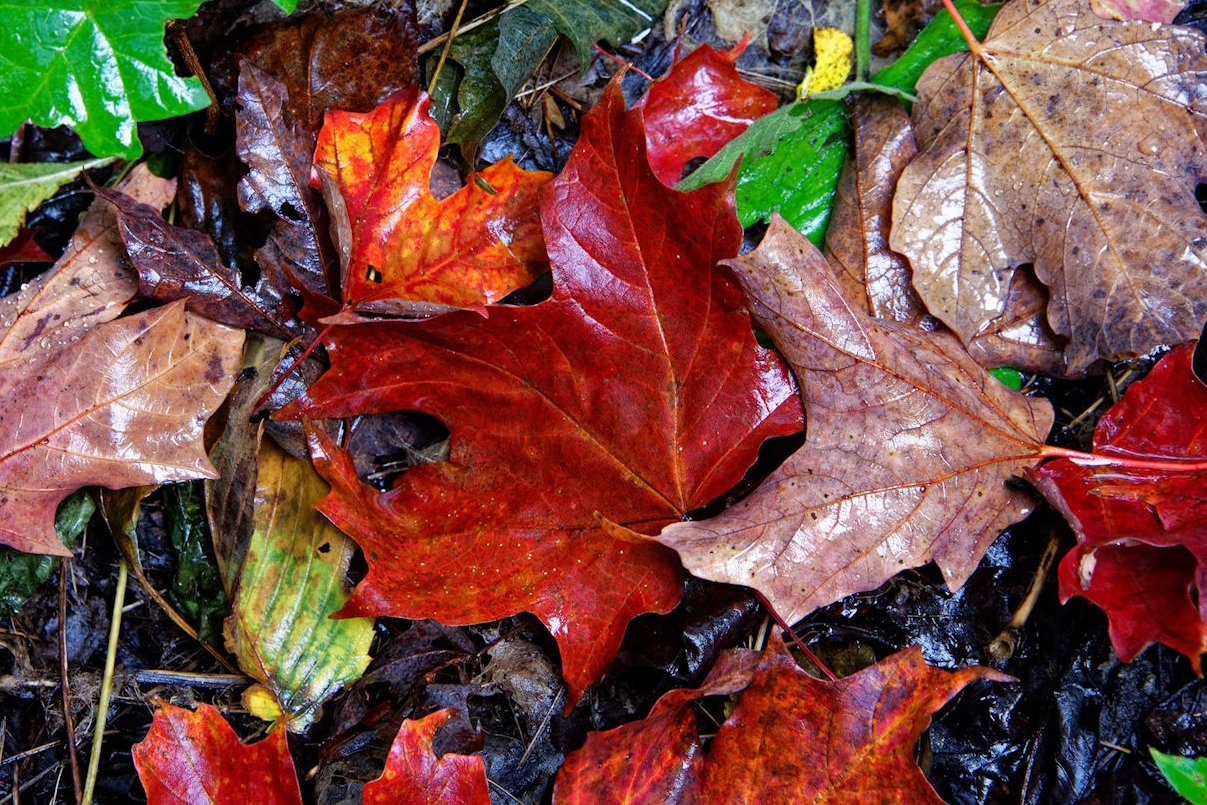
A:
{"points": [[908, 449], [1073, 143], [89, 400]]}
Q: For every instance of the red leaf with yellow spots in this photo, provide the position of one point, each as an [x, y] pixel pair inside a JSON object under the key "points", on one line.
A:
{"points": [[196, 758], [790, 738], [414, 774], [634, 395], [405, 251]]}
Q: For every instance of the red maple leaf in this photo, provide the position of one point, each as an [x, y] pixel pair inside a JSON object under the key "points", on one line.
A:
{"points": [[404, 250], [633, 395], [791, 738], [1141, 520], [698, 107], [195, 757], [414, 773]]}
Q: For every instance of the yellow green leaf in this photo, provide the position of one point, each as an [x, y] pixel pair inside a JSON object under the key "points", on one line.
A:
{"points": [[290, 583]]}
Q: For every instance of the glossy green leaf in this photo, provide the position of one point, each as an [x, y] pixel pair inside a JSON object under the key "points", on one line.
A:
{"points": [[1008, 376], [23, 186], [288, 6], [290, 584], [1187, 776], [98, 66], [196, 591], [21, 574], [790, 161], [938, 39]]}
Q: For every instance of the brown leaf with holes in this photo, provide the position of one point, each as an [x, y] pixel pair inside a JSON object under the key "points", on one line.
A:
{"points": [[89, 399], [858, 240], [909, 447], [1075, 144]]}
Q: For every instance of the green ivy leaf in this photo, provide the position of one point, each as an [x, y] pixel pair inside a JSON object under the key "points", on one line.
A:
{"points": [[288, 6], [99, 66], [1008, 376], [23, 186], [1187, 776], [21, 574], [939, 38], [788, 162], [585, 22]]}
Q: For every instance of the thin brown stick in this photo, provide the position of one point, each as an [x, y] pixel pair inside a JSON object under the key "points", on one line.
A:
{"points": [[448, 44], [213, 114], [68, 720], [1002, 647], [477, 22]]}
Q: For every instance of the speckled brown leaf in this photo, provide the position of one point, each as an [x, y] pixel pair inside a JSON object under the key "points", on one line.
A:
{"points": [[869, 269], [1073, 143], [89, 399], [908, 450]]}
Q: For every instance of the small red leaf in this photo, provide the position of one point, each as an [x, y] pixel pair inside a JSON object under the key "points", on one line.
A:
{"points": [[405, 250], [696, 108], [196, 758], [1131, 520], [414, 775]]}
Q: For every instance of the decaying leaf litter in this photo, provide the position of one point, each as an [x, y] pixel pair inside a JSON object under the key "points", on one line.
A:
{"points": [[1076, 725]]}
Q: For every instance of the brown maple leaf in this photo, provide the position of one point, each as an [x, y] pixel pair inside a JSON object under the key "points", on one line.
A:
{"points": [[908, 449], [90, 399], [1075, 144], [858, 241]]}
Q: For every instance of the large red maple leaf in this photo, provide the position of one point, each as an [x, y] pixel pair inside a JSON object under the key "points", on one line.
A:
{"points": [[1141, 520], [791, 738], [633, 395]]}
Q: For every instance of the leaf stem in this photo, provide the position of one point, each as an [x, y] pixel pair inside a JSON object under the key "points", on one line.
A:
{"points": [[800, 644], [1112, 460], [863, 86], [65, 687], [102, 709], [974, 44], [863, 39], [318, 338]]}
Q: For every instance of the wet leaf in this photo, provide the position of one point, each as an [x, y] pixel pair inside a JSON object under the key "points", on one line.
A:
{"points": [[196, 758], [697, 107], [1141, 550], [278, 151], [858, 239], [196, 590], [406, 251], [96, 66], [23, 249], [630, 343], [586, 22], [495, 59], [788, 162], [790, 738], [1074, 144], [71, 413], [412, 766], [21, 574], [177, 263], [290, 583], [1162, 11], [23, 186], [1187, 776], [907, 454]]}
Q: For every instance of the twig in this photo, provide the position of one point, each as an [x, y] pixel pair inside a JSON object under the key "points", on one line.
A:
{"points": [[181, 40], [68, 720], [477, 22], [29, 753], [1002, 647], [102, 712], [448, 44], [626, 65], [193, 680], [800, 644]]}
